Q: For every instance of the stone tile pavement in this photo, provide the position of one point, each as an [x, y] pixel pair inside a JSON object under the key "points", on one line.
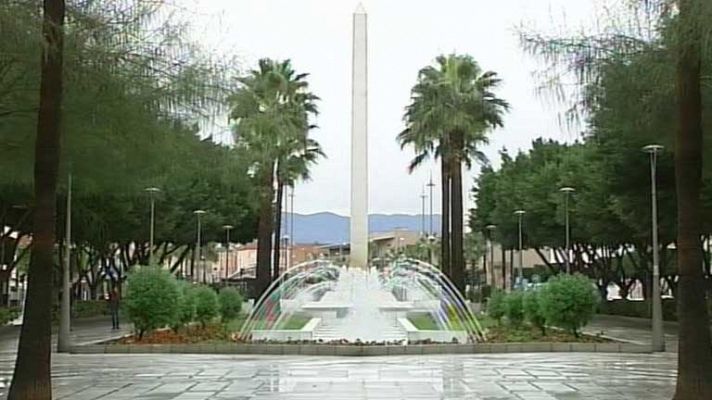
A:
{"points": [[568, 376]]}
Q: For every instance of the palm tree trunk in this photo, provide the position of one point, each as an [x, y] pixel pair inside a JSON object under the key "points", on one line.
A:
{"points": [[277, 229], [457, 262], [445, 217], [31, 379], [264, 231], [694, 377]]}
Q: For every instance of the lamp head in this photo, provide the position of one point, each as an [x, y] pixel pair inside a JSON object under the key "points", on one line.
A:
{"points": [[653, 148], [567, 189]]}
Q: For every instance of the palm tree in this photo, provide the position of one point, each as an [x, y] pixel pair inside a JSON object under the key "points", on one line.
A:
{"points": [[270, 112], [452, 109], [32, 367], [695, 348], [290, 169]]}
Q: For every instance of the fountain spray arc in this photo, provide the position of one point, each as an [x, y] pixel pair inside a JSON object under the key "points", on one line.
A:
{"points": [[318, 301]]}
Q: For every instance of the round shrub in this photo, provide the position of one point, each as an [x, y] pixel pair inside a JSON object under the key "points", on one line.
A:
{"points": [[230, 304], [496, 305], [569, 301], [186, 306], [206, 304], [513, 308], [533, 310], [151, 299]]}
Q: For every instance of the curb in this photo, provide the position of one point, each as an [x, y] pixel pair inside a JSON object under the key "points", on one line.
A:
{"points": [[362, 351]]}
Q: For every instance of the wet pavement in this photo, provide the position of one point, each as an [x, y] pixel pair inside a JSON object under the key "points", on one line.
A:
{"points": [[545, 376], [485, 377]]}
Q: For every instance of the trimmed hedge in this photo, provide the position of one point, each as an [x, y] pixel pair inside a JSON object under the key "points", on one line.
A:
{"points": [[569, 302], [90, 308], [514, 308], [8, 314], [206, 304], [533, 310], [152, 299], [497, 305], [230, 304]]}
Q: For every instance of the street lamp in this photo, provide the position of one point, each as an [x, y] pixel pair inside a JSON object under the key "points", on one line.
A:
{"points": [[567, 192], [64, 341], [658, 342], [152, 191], [227, 229], [423, 196], [198, 214], [285, 255], [520, 272], [491, 228], [431, 185], [431, 241]]}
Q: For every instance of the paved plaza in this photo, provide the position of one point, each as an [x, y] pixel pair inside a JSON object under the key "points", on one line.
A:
{"points": [[546, 376], [490, 377]]}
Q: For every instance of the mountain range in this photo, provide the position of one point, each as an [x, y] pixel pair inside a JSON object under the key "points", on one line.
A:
{"points": [[330, 228]]}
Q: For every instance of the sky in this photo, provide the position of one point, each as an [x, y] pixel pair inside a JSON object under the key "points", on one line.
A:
{"points": [[404, 36]]}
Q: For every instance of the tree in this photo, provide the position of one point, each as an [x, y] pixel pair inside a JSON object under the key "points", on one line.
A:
{"points": [[32, 379], [694, 378], [452, 108], [270, 112], [292, 166], [674, 31]]}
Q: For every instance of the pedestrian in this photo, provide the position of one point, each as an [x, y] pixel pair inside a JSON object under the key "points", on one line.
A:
{"points": [[114, 307]]}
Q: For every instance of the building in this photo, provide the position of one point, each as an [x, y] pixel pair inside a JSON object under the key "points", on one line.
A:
{"points": [[499, 273], [241, 260], [380, 245]]}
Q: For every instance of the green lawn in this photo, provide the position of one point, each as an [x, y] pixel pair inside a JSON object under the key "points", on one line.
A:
{"points": [[426, 322], [294, 322]]}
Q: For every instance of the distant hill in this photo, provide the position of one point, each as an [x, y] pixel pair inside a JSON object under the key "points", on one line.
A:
{"points": [[330, 228]]}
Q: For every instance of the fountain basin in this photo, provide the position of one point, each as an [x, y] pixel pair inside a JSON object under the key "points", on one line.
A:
{"points": [[416, 335], [286, 335]]}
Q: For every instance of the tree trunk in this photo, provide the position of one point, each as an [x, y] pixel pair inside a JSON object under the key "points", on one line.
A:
{"points": [[694, 376], [445, 217], [457, 262], [31, 379], [277, 231], [264, 231]]}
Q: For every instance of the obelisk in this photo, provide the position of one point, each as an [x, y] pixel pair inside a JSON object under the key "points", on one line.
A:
{"points": [[359, 141]]}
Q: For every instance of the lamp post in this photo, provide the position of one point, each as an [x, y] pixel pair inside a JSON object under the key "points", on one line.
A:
{"points": [[490, 228], [431, 185], [152, 191], [198, 259], [423, 196], [291, 230], [227, 229], [65, 325], [520, 270], [431, 241], [285, 255], [658, 343], [567, 191]]}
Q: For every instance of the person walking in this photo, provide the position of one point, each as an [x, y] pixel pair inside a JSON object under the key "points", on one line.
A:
{"points": [[114, 300]]}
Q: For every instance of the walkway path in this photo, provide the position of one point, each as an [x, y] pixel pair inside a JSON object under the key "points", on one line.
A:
{"points": [[482, 377], [633, 330], [83, 331]]}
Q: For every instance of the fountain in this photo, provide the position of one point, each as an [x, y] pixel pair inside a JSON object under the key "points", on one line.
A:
{"points": [[321, 302]]}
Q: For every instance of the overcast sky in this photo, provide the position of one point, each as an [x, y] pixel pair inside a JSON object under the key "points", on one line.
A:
{"points": [[404, 36]]}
